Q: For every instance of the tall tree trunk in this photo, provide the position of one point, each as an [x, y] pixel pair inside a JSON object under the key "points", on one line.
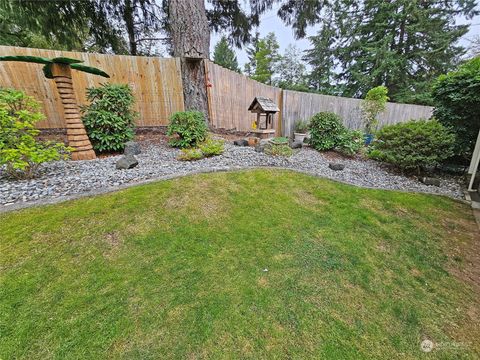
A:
{"points": [[129, 23], [76, 134], [191, 42]]}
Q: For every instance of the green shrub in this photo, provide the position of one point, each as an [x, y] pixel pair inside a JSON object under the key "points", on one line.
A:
{"points": [[20, 152], [413, 145], [457, 105], [187, 129], [349, 142], [301, 126], [109, 119], [325, 128], [278, 150], [279, 141], [189, 154], [375, 102], [211, 147]]}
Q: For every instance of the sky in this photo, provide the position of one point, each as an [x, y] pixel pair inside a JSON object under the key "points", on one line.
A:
{"points": [[270, 22]]}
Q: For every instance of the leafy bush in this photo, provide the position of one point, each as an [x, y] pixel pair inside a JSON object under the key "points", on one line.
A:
{"points": [[349, 142], [109, 119], [211, 147], [325, 128], [457, 106], [413, 145], [189, 154], [278, 150], [301, 126], [187, 129], [20, 152], [375, 102]]}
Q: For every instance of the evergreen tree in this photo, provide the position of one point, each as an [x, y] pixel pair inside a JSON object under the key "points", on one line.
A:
{"points": [[224, 56], [251, 51], [265, 59], [402, 44]]}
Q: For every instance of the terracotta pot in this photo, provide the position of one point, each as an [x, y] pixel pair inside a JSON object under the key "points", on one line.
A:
{"points": [[252, 141]]}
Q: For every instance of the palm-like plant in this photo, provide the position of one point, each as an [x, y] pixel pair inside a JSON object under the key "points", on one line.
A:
{"points": [[59, 69]]}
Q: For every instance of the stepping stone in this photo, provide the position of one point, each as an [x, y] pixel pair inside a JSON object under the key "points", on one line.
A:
{"points": [[241, 142]]}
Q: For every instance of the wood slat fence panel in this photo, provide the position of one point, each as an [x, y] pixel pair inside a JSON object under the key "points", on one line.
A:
{"points": [[231, 94], [157, 86], [156, 82], [298, 105]]}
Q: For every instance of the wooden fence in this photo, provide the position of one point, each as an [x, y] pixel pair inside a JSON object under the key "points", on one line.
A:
{"points": [[156, 82], [157, 86], [298, 105], [230, 94]]}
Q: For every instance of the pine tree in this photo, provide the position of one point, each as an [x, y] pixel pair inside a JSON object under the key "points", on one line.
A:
{"points": [[224, 56], [266, 58], [402, 44]]}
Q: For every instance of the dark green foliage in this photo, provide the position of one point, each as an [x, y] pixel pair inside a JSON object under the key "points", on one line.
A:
{"points": [[187, 129], [414, 145], [109, 119], [302, 126], [349, 142], [26, 58], [264, 58], [363, 44], [457, 106], [325, 128], [224, 56], [89, 69], [20, 151]]}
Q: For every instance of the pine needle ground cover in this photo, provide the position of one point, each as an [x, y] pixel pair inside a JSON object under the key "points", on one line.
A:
{"points": [[251, 264]]}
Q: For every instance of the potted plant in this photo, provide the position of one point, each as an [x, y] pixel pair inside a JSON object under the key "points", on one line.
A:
{"points": [[374, 103], [301, 130]]}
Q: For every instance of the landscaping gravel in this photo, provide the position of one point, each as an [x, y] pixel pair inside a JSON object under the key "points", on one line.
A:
{"points": [[65, 178]]}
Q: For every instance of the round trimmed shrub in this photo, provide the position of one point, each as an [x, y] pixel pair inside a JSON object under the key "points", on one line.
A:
{"points": [[109, 119], [187, 129], [325, 129], [414, 145]]}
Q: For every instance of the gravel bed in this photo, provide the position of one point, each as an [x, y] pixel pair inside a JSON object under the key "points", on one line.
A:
{"points": [[66, 178]]}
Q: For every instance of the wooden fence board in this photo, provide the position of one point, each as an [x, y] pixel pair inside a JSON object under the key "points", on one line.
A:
{"points": [[156, 82], [157, 86], [231, 94], [299, 105]]}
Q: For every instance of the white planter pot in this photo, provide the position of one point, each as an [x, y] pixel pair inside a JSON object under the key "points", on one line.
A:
{"points": [[299, 137]]}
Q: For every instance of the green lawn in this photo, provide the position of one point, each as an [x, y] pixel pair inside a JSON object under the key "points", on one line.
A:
{"points": [[178, 269]]}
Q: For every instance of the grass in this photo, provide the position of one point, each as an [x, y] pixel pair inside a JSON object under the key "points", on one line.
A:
{"points": [[178, 269]]}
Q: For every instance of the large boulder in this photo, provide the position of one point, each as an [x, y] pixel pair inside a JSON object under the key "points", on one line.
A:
{"points": [[132, 148], [431, 181], [126, 162]]}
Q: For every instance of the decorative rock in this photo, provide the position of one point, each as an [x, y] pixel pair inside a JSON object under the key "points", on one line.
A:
{"points": [[132, 148], [336, 166], [241, 142], [430, 181], [296, 145], [126, 162], [262, 144], [58, 179]]}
